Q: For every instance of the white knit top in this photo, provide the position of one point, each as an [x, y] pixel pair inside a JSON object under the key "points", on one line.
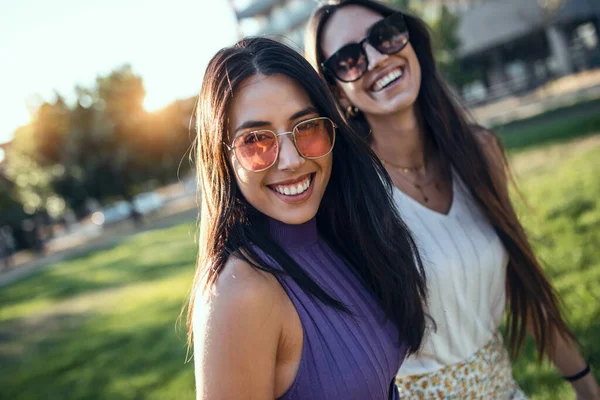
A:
{"points": [[466, 264]]}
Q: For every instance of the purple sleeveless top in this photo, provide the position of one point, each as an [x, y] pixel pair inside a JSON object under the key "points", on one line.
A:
{"points": [[349, 357]]}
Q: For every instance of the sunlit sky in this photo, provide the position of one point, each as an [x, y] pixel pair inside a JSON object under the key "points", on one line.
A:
{"points": [[48, 45]]}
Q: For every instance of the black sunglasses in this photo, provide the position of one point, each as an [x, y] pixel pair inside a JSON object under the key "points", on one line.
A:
{"points": [[350, 63]]}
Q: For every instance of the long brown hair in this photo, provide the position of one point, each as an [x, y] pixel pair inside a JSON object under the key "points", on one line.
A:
{"points": [[355, 217], [531, 299]]}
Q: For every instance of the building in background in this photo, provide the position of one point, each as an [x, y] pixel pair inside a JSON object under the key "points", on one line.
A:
{"points": [[283, 20], [513, 46], [507, 46]]}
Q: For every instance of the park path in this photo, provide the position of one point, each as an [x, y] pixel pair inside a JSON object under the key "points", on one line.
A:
{"points": [[27, 263]]}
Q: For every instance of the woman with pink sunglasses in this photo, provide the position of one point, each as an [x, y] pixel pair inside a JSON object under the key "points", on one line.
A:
{"points": [[302, 254]]}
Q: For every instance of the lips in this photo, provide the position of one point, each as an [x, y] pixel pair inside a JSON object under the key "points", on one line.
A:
{"points": [[387, 78]]}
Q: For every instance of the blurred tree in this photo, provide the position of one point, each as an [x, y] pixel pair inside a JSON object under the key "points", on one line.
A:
{"points": [[80, 151], [121, 94], [50, 125], [446, 44], [43, 137], [401, 4], [29, 167], [105, 146], [119, 99], [11, 210]]}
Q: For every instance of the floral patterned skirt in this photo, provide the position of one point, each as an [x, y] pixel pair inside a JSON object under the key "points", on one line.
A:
{"points": [[484, 375]]}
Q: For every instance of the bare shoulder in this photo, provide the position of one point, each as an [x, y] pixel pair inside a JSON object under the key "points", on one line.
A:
{"points": [[489, 142], [240, 290], [237, 329]]}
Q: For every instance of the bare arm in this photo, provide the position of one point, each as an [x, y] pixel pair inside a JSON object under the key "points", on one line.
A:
{"points": [[236, 333], [569, 361], [564, 353]]}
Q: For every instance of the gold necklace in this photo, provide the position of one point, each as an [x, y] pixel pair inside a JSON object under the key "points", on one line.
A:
{"points": [[400, 168], [419, 186]]}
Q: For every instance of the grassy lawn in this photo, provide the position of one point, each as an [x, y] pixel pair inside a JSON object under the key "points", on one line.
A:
{"points": [[552, 127], [103, 326], [562, 186]]}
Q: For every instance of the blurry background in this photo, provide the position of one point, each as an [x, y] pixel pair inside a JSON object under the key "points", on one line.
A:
{"points": [[97, 192]]}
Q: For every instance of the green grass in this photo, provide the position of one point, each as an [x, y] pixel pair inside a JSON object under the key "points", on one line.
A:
{"points": [[552, 127], [562, 186], [102, 326]]}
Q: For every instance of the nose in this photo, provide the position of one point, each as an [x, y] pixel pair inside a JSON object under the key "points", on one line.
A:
{"points": [[289, 158], [375, 57]]}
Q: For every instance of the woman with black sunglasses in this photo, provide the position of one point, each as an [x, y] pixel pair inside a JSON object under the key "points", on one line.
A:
{"points": [[302, 254], [450, 186]]}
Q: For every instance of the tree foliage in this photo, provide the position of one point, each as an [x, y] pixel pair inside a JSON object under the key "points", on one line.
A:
{"points": [[103, 146], [401, 4], [444, 28], [446, 44]]}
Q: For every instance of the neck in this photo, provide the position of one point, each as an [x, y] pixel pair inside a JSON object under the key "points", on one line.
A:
{"points": [[399, 138], [290, 235]]}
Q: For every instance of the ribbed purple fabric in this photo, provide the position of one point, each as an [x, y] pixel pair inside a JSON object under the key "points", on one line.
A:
{"points": [[349, 357]]}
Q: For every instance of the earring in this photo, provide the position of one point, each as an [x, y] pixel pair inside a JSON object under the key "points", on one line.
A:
{"points": [[351, 111]]}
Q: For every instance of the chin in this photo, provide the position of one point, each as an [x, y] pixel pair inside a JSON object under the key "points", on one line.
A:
{"points": [[295, 217], [403, 102]]}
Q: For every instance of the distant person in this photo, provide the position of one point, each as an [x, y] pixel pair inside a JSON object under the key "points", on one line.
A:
{"points": [[31, 231], [7, 246], [70, 219], [308, 285], [451, 189], [136, 217]]}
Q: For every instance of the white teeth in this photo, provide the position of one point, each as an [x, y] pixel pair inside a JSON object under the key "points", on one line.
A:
{"points": [[387, 79], [293, 190]]}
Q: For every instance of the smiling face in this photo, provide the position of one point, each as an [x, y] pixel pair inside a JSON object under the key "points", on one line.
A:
{"points": [[291, 190], [392, 82]]}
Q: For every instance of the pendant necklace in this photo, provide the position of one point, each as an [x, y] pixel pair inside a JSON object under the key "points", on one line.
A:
{"points": [[419, 186]]}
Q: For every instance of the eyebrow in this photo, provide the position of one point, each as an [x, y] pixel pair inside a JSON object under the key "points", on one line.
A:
{"points": [[258, 124], [308, 110], [250, 124]]}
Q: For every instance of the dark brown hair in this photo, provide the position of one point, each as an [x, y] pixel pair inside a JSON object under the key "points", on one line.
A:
{"points": [[356, 216], [531, 299]]}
